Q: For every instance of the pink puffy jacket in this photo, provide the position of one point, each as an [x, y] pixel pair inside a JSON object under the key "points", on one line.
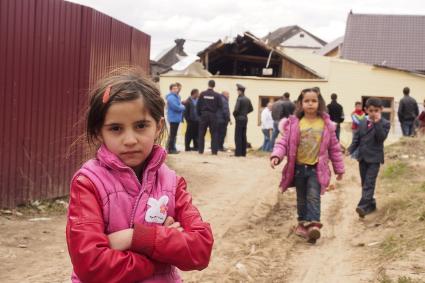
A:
{"points": [[330, 149]]}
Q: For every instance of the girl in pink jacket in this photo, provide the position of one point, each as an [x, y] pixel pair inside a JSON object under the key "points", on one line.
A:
{"points": [[130, 217], [308, 143]]}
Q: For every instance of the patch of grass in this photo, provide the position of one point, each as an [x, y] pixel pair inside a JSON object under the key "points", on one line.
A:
{"points": [[406, 279], [384, 278], [395, 170], [392, 208], [390, 246], [422, 187], [422, 216]]}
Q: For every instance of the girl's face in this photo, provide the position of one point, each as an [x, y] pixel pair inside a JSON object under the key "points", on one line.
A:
{"points": [[310, 103], [129, 131]]}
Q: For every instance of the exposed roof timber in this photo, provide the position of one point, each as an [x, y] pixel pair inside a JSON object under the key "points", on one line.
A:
{"points": [[261, 43], [251, 58], [220, 44]]}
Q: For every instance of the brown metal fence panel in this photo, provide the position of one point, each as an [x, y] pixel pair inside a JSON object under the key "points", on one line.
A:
{"points": [[115, 44], [50, 53]]}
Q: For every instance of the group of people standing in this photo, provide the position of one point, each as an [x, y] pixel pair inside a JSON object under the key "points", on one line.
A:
{"points": [[270, 117], [203, 111]]}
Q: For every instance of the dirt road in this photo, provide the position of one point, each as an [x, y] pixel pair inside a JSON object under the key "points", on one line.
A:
{"points": [[250, 222], [336, 257]]}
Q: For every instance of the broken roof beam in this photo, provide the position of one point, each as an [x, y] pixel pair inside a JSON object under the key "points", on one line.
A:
{"points": [[251, 58]]}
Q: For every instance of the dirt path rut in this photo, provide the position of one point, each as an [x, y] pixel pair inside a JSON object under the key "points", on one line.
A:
{"points": [[335, 257]]}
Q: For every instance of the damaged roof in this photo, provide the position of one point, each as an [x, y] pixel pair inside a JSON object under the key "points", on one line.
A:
{"points": [[249, 36], [173, 54]]}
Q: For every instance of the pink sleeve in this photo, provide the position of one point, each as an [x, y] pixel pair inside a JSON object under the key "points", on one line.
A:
{"points": [[281, 146], [281, 125], [335, 154]]}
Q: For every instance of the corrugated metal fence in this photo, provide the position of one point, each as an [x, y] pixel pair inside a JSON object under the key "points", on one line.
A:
{"points": [[50, 53]]}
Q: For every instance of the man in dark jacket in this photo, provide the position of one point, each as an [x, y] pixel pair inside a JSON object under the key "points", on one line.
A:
{"points": [[283, 108], [368, 141], [408, 110], [192, 121], [209, 104], [336, 112], [242, 108], [223, 119]]}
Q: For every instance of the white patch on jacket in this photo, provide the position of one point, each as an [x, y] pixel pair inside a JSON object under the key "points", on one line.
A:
{"points": [[157, 211]]}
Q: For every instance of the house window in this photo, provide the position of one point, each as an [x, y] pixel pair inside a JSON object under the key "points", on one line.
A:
{"points": [[262, 103], [388, 105], [301, 35]]}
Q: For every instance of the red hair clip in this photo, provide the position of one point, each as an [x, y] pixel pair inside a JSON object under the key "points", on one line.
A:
{"points": [[106, 94]]}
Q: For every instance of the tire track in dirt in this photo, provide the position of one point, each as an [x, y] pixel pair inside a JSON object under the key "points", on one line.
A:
{"points": [[334, 258], [232, 194]]}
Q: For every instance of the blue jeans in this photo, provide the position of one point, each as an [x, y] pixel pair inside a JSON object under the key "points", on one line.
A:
{"points": [[267, 142], [308, 193], [275, 133], [407, 128]]}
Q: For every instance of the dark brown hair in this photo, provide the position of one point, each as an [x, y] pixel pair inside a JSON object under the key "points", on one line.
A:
{"points": [[373, 101], [126, 84], [299, 111], [195, 90]]}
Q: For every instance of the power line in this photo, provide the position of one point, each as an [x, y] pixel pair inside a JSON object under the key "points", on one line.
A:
{"points": [[198, 40]]}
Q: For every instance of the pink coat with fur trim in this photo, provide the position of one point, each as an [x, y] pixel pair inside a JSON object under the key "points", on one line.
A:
{"points": [[330, 149]]}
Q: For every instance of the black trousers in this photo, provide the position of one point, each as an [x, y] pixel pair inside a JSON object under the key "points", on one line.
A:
{"points": [[208, 120], [192, 131], [368, 173], [222, 132], [240, 138], [338, 130], [171, 144]]}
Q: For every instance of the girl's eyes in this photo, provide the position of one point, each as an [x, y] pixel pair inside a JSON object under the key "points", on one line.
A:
{"points": [[115, 128], [141, 125]]}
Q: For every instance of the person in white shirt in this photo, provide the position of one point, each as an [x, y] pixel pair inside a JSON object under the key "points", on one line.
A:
{"points": [[267, 127]]}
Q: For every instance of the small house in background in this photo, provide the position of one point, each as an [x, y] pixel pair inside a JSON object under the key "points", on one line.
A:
{"points": [[294, 37], [394, 41], [248, 55], [52, 52], [332, 49]]}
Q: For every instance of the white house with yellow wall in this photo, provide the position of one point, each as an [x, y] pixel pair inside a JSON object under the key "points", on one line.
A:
{"points": [[352, 81]]}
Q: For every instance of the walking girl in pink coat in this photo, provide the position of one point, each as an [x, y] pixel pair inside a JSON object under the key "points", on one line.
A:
{"points": [[308, 143]]}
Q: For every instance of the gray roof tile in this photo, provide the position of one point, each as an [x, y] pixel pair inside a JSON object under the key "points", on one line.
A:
{"points": [[396, 41]]}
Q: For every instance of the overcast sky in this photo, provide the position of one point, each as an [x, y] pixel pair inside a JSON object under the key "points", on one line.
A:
{"points": [[202, 22]]}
